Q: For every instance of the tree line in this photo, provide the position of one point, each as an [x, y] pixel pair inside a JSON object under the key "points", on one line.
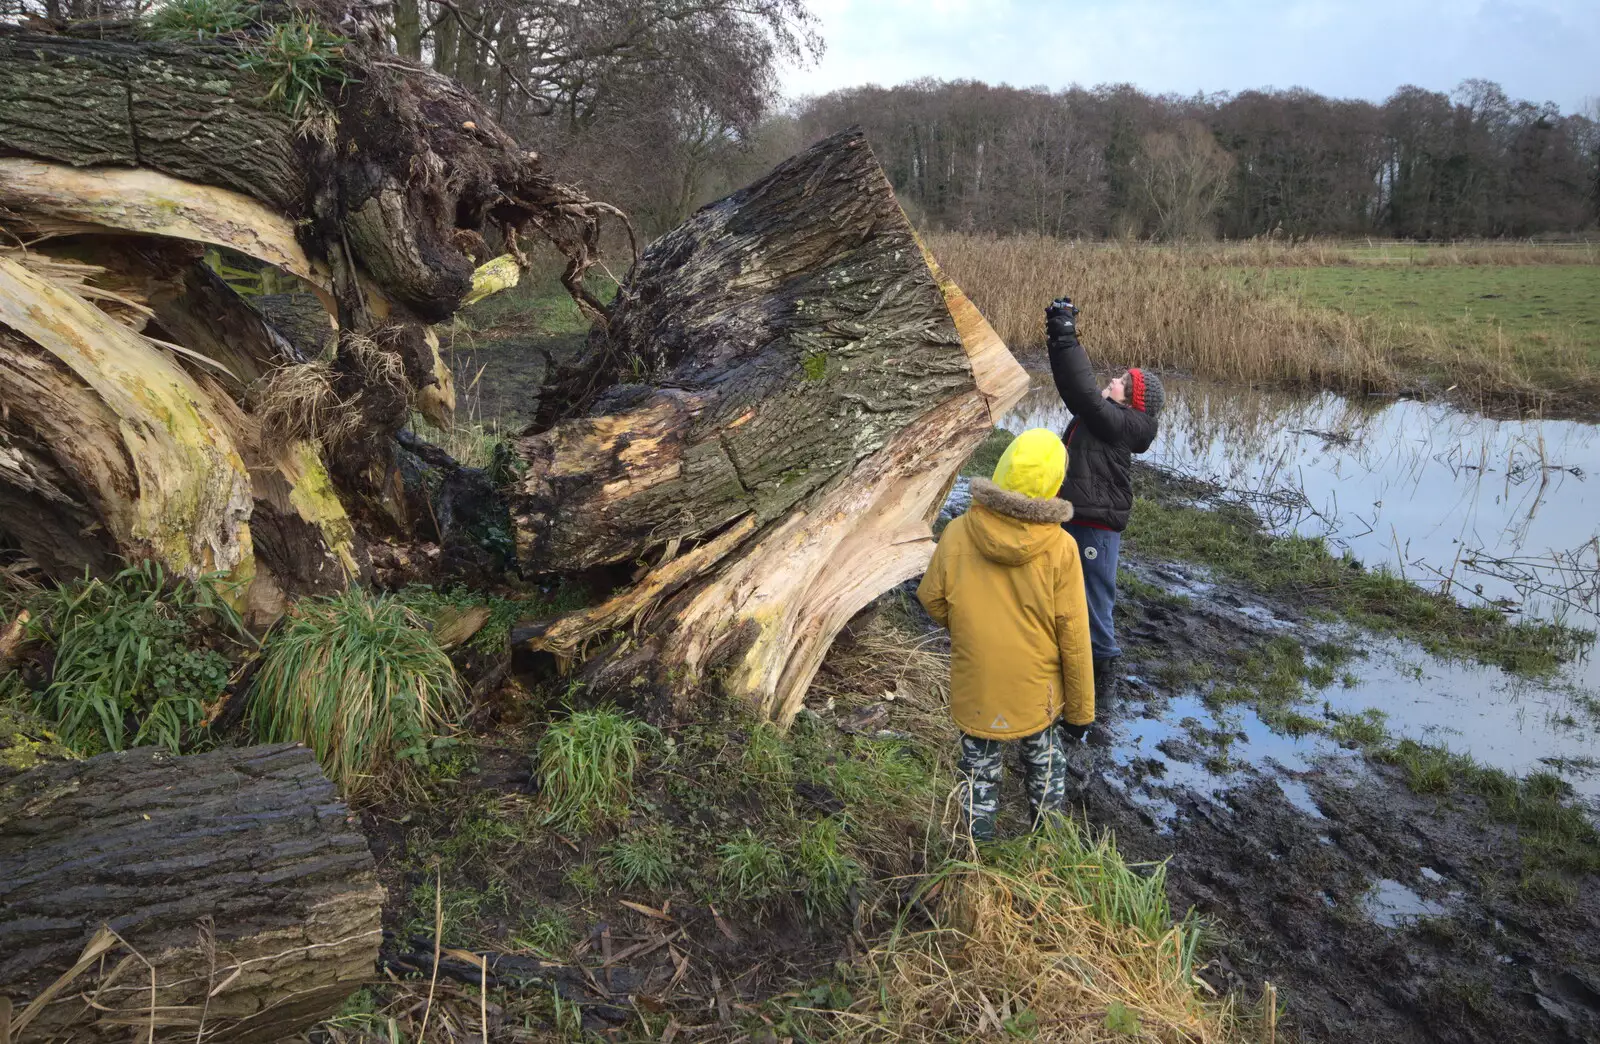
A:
{"points": [[661, 105], [1115, 160]]}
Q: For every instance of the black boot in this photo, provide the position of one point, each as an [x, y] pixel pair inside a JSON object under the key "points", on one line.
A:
{"points": [[1105, 682]]}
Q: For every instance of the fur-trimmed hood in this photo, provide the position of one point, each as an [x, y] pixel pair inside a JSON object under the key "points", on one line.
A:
{"points": [[1010, 528], [1047, 510]]}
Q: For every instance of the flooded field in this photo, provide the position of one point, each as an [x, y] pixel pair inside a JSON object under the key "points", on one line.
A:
{"points": [[1498, 512]]}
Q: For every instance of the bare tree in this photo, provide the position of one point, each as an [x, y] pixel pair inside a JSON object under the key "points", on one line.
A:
{"points": [[1183, 175]]}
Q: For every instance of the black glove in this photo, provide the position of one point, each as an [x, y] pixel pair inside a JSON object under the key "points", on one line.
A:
{"points": [[1061, 319], [1074, 733]]}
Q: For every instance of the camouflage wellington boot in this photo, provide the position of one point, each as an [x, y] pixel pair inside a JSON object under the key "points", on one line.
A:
{"points": [[1044, 766], [1105, 682], [979, 789]]}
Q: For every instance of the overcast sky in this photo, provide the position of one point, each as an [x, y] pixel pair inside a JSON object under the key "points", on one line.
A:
{"points": [[1541, 50]]}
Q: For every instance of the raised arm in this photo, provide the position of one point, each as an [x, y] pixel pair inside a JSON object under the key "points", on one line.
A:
{"points": [[1074, 377]]}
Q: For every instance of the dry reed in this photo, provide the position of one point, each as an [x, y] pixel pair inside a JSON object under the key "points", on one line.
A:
{"points": [[1052, 939], [1183, 309]]}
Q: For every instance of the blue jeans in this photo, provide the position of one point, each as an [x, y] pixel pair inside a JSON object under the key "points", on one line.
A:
{"points": [[1097, 550]]}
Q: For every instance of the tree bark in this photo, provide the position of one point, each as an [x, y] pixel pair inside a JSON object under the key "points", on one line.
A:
{"points": [[243, 901], [784, 392]]}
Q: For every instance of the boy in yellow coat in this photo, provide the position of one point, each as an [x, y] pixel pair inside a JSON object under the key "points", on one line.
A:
{"points": [[1006, 580]]}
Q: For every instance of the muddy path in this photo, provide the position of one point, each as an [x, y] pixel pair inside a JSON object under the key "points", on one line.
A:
{"points": [[1378, 913]]}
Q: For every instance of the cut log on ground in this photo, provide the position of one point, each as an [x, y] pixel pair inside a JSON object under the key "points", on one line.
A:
{"points": [[229, 893], [784, 392]]}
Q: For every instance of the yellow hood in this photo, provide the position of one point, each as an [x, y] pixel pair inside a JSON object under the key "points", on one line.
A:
{"points": [[1033, 465]]}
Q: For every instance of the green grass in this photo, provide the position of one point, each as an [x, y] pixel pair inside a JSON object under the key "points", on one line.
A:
{"points": [[826, 875], [1533, 304], [296, 58], [1428, 769], [766, 757], [1083, 866], [1231, 541], [1556, 837], [536, 303], [546, 932], [645, 858], [137, 658], [586, 764], [1365, 729], [357, 678], [1542, 319], [753, 870], [198, 20]]}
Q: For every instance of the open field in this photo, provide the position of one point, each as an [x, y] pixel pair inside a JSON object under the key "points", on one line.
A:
{"points": [[1311, 315]]}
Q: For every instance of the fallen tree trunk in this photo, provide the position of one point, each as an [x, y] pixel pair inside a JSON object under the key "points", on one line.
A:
{"points": [[753, 447], [784, 392], [225, 895], [384, 205]]}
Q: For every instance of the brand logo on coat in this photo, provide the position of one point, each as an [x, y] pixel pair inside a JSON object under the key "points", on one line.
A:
{"points": [[999, 722]]}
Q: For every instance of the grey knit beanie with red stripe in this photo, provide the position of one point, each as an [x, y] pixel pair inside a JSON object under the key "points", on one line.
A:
{"points": [[1145, 392]]}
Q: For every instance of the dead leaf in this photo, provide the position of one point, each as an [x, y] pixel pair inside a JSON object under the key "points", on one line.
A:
{"points": [[660, 915]]}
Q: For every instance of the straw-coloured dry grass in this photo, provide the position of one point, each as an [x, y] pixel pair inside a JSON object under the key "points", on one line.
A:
{"points": [[1051, 938], [1188, 309]]}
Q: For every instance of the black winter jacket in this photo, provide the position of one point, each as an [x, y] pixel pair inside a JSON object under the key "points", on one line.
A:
{"points": [[1101, 440]]}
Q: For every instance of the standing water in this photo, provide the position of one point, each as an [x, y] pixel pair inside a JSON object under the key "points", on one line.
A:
{"points": [[1495, 512]]}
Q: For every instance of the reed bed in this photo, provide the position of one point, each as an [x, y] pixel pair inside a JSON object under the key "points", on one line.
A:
{"points": [[1187, 309]]}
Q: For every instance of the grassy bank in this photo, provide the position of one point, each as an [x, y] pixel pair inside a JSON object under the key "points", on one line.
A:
{"points": [[1270, 313]]}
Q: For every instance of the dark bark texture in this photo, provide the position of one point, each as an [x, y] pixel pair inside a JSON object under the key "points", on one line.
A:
{"points": [[412, 182], [185, 111], [237, 875], [754, 355]]}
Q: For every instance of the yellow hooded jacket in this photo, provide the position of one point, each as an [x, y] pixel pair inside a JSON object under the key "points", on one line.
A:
{"points": [[1007, 582]]}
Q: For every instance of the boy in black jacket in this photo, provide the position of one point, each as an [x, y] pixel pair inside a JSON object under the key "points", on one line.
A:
{"points": [[1108, 426]]}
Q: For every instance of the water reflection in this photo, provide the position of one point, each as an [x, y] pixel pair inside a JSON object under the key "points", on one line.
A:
{"points": [[1503, 512]]}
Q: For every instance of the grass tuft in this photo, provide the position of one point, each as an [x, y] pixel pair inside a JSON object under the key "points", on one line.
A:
{"points": [[825, 873], [296, 57], [1050, 937], [357, 678], [752, 869], [198, 20], [645, 858], [586, 766]]}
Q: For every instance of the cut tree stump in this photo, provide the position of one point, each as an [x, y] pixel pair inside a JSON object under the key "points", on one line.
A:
{"points": [[784, 392], [233, 881]]}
